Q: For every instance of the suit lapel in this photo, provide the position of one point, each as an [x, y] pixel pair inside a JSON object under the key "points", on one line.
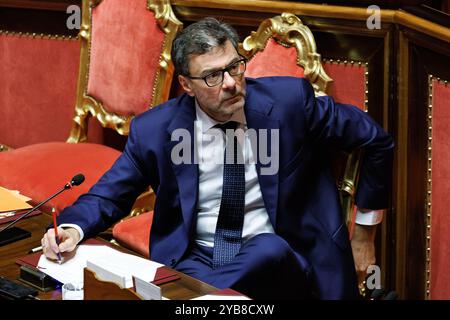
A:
{"points": [[258, 118], [186, 173]]}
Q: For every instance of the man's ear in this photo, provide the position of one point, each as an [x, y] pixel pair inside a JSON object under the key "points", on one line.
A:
{"points": [[185, 83]]}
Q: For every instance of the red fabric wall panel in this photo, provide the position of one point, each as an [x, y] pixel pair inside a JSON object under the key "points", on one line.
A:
{"points": [[440, 192], [134, 233], [348, 83], [118, 56], [38, 80], [275, 60]]}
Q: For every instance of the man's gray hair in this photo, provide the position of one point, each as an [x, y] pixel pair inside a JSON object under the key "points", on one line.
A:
{"points": [[199, 38]]}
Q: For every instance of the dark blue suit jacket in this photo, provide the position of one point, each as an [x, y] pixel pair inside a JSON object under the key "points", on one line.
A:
{"points": [[301, 200]]}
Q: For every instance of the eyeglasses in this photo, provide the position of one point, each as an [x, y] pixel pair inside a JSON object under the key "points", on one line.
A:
{"points": [[215, 78]]}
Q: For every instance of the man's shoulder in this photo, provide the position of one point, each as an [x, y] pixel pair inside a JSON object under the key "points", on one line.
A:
{"points": [[278, 90], [270, 82], [163, 112], [283, 89]]}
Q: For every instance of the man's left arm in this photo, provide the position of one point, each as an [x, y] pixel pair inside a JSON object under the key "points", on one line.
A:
{"points": [[352, 128]]}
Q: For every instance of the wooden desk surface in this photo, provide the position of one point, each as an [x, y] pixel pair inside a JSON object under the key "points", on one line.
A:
{"points": [[184, 288]]}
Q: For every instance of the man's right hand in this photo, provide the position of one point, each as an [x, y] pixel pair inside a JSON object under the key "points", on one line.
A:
{"points": [[68, 240]]}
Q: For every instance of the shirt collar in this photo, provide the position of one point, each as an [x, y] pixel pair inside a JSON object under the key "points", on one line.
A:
{"points": [[207, 122]]}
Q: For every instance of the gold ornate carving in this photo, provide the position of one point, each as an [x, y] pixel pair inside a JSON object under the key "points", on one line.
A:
{"points": [[87, 106], [164, 14], [348, 185], [144, 203], [288, 30], [170, 25], [78, 132], [4, 147]]}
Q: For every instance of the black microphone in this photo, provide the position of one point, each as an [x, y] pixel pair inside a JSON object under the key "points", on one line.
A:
{"points": [[76, 181], [8, 234]]}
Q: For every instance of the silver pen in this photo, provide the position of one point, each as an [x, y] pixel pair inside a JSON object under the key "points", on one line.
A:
{"points": [[34, 250]]}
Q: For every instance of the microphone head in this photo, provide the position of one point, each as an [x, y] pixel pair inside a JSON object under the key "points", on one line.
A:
{"points": [[77, 180]]}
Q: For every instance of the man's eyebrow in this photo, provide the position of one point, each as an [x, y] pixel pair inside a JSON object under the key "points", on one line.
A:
{"points": [[208, 71]]}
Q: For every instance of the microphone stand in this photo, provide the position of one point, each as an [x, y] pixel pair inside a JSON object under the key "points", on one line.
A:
{"points": [[8, 234]]}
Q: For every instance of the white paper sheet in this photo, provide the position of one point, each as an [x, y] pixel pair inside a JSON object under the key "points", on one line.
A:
{"points": [[108, 258]]}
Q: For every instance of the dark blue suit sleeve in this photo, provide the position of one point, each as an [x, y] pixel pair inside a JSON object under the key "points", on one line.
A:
{"points": [[112, 197], [350, 128]]}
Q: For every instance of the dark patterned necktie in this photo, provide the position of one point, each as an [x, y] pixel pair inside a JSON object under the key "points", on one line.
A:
{"points": [[228, 235]]}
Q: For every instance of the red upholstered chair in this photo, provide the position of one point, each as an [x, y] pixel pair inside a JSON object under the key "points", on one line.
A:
{"points": [[283, 46], [125, 69], [134, 233], [36, 69]]}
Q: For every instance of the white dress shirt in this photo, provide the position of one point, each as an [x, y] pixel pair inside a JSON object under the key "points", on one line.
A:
{"points": [[210, 148]]}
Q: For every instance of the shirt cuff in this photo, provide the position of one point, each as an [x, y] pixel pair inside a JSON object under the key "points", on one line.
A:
{"points": [[71, 225], [369, 218]]}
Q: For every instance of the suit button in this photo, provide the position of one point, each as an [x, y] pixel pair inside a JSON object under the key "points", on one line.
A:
{"points": [[173, 262]]}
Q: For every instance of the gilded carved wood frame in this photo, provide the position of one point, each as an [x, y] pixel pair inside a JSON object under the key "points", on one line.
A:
{"points": [[88, 106], [288, 30]]}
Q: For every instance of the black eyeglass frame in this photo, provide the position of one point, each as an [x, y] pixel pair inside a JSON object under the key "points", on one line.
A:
{"points": [[226, 69]]}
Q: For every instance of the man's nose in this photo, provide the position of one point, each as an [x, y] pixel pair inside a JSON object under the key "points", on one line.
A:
{"points": [[228, 81]]}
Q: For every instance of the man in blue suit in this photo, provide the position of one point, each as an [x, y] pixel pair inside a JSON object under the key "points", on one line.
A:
{"points": [[287, 238]]}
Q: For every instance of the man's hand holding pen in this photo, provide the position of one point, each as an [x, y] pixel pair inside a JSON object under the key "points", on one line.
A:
{"points": [[67, 238]]}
